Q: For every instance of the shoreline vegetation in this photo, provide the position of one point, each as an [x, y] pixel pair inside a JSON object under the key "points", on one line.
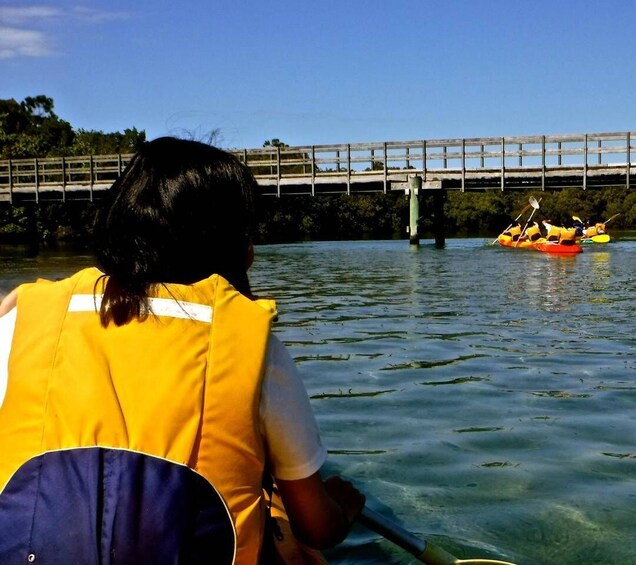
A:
{"points": [[32, 129]]}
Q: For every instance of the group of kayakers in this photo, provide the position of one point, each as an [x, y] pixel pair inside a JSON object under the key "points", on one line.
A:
{"points": [[568, 234], [586, 230], [532, 233]]}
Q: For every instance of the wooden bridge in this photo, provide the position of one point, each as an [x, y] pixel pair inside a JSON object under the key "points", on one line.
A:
{"points": [[547, 162]]}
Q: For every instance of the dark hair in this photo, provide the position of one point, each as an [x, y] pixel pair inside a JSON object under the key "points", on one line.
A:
{"points": [[180, 212]]}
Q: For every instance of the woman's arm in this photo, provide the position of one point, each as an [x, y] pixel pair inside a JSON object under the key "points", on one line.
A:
{"points": [[320, 513], [8, 302]]}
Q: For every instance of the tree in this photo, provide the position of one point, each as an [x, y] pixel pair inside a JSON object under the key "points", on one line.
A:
{"points": [[100, 143], [32, 129], [38, 106], [275, 142]]}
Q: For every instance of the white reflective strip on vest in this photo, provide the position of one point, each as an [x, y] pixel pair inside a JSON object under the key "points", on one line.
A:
{"points": [[169, 307]]}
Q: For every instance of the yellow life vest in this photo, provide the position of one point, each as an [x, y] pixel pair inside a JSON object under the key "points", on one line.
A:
{"points": [[533, 232], [513, 232], [170, 400], [554, 233], [567, 236]]}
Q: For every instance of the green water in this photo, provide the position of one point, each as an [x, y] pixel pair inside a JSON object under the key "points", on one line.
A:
{"points": [[483, 397]]}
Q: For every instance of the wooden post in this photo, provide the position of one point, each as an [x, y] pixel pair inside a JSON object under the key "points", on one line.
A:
{"points": [[543, 162], [424, 164], [629, 159], [11, 181], [278, 169], [92, 178], [585, 164], [463, 165], [63, 179], [414, 209], [37, 180], [503, 164], [386, 167], [313, 170], [348, 168], [438, 213]]}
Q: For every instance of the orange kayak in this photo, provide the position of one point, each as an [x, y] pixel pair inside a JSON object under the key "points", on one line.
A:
{"points": [[552, 247]]}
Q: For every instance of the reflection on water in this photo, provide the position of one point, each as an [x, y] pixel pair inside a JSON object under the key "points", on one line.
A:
{"points": [[480, 395], [473, 390]]}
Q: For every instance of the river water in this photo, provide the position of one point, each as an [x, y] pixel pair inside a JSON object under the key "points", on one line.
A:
{"points": [[484, 398]]}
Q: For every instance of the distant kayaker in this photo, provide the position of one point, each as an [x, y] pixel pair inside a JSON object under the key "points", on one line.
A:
{"points": [[147, 403], [579, 225], [553, 232], [567, 236], [596, 229], [514, 231], [533, 232]]}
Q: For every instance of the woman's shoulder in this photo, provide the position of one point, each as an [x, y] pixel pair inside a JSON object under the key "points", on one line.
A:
{"points": [[278, 356]]}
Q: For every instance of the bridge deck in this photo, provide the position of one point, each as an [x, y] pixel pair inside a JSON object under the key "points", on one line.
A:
{"points": [[511, 163]]}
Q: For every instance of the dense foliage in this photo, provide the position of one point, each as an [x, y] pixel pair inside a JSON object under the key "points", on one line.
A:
{"points": [[32, 129]]}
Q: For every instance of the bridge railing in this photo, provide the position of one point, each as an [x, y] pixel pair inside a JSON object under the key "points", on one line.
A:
{"points": [[498, 158], [60, 174], [580, 154], [443, 154]]}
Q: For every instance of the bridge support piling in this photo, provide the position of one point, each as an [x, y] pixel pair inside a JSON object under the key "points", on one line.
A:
{"points": [[415, 184], [32, 234], [439, 198]]}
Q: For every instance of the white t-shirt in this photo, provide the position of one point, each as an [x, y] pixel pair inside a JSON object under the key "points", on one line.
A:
{"points": [[289, 427]]}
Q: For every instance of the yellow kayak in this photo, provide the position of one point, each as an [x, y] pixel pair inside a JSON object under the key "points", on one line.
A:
{"points": [[598, 238], [507, 241]]}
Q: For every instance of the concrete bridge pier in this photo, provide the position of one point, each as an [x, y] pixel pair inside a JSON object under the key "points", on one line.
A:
{"points": [[415, 185], [439, 197], [439, 218]]}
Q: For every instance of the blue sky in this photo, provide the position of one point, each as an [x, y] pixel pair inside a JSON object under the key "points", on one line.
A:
{"points": [[323, 71]]}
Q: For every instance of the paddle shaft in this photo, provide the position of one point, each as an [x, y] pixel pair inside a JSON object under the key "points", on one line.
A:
{"points": [[536, 207], [614, 216], [515, 220], [424, 551]]}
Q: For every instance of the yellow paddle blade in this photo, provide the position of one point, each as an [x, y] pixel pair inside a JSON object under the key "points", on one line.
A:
{"points": [[434, 555]]}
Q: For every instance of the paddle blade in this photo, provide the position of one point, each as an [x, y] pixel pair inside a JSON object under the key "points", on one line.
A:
{"points": [[533, 202]]}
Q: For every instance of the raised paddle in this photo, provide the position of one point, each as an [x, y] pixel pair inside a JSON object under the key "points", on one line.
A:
{"points": [[535, 204], [525, 209], [612, 218], [424, 551]]}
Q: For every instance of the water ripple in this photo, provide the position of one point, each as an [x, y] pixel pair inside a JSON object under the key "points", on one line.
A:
{"points": [[430, 364], [350, 394]]}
